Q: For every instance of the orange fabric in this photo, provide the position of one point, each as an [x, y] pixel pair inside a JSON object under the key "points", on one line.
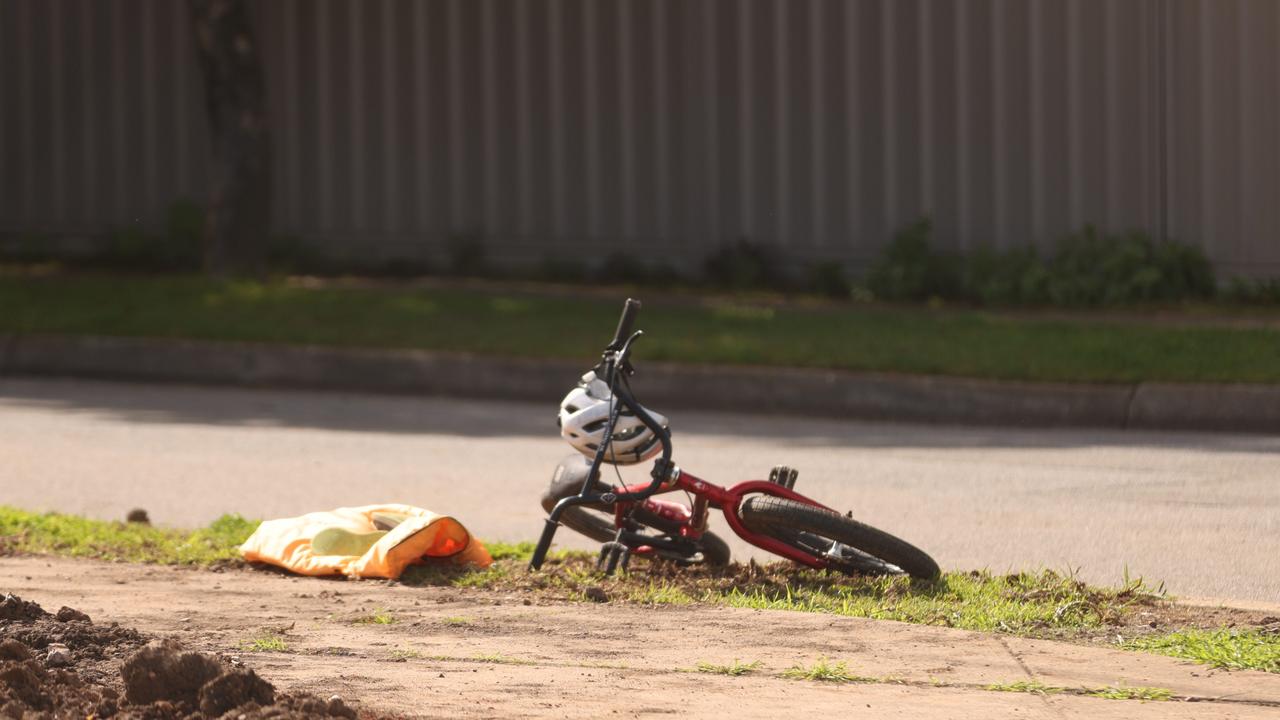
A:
{"points": [[423, 537]]}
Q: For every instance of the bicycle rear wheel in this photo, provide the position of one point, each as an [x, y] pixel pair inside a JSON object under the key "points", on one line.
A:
{"points": [[849, 546], [597, 521]]}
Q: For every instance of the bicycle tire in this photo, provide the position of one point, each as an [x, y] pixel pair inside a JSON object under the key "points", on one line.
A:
{"points": [[596, 521], [806, 527]]}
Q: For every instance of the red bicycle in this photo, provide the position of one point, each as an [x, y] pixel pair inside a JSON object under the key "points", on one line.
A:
{"points": [[603, 421]]}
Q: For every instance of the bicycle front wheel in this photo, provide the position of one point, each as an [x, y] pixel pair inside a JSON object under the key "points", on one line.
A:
{"points": [[849, 546], [597, 523]]}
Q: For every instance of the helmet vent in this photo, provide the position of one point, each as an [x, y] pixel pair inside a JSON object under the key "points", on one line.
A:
{"points": [[629, 433]]}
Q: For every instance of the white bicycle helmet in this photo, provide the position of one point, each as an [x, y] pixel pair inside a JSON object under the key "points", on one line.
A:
{"points": [[584, 413]]}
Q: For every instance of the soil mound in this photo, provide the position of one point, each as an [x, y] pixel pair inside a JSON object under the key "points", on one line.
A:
{"points": [[13, 607], [113, 672]]}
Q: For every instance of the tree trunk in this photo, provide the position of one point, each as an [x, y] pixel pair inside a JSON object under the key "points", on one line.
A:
{"points": [[238, 217]]}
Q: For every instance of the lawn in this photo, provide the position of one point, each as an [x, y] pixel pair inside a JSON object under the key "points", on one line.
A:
{"points": [[691, 329], [1032, 604]]}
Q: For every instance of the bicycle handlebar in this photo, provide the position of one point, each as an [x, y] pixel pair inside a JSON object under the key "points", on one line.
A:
{"points": [[616, 351], [629, 311]]}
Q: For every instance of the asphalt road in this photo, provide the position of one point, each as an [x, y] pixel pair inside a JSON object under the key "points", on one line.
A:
{"points": [[1199, 512]]}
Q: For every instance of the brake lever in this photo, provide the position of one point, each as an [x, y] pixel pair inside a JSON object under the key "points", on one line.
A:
{"points": [[623, 359]]}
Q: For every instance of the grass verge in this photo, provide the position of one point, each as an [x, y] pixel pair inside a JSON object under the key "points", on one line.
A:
{"points": [[54, 533], [1043, 603], [1026, 603], [1229, 649], [921, 340], [1033, 604], [26, 532]]}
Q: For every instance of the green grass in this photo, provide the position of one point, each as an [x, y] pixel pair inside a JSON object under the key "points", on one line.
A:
{"points": [[1146, 694], [1044, 603], [500, 659], [956, 342], [1020, 603], [377, 617], [1035, 687], [510, 551], [27, 532], [1230, 649], [1110, 692], [659, 593], [825, 670], [265, 643], [1037, 604], [735, 669], [1024, 603]]}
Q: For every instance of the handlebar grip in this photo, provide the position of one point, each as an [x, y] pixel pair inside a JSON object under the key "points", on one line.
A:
{"points": [[628, 319]]}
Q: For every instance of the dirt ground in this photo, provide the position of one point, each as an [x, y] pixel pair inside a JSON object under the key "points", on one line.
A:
{"points": [[62, 665], [445, 652]]}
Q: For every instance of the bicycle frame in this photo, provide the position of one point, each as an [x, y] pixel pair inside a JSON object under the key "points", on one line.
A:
{"points": [[729, 499]]}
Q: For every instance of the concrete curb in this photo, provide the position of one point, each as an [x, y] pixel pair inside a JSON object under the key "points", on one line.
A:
{"points": [[7, 345], [827, 393], [1243, 408]]}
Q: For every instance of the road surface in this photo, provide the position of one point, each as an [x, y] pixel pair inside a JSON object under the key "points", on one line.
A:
{"points": [[1198, 512]]}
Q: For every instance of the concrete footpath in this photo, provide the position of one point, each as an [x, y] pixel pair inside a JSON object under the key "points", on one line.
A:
{"points": [[793, 391], [468, 653]]}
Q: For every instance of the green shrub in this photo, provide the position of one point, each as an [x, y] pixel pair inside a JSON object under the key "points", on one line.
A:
{"points": [[663, 274], [467, 256], [1086, 269], [1089, 268], [909, 269], [26, 247], [398, 267], [184, 228], [1009, 277], [178, 247], [1186, 272], [561, 270], [827, 277], [1246, 291], [744, 265], [290, 254], [620, 267]]}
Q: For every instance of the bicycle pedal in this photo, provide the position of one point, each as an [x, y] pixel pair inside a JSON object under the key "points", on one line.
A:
{"points": [[612, 554], [784, 476]]}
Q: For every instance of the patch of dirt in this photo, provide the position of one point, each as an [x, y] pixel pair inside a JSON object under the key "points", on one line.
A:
{"points": [[518, 652], [114, 672], [13, 607]]}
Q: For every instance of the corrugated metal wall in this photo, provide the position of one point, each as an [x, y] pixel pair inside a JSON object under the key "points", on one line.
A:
{"points": [[546, 127]]}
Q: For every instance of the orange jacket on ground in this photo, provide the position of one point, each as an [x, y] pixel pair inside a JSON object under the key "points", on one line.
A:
{"points": [[384, 540]]}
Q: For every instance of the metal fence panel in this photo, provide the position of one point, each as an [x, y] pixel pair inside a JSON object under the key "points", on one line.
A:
{"points": [[667, 127]]}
